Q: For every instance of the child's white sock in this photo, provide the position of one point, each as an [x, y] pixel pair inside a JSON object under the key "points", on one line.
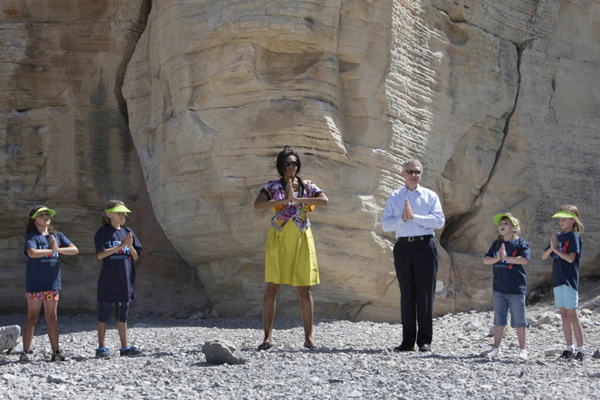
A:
{"points": [[581, 349], [569, 348]]}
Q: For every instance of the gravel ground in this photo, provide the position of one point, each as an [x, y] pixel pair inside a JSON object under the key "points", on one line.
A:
{"points": [[354, 360]]}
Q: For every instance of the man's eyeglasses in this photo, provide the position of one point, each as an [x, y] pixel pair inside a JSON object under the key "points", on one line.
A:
{"points": [[291, 164], [413, 171]]}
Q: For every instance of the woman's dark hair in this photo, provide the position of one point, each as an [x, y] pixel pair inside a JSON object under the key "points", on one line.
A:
{"points": [[287, 151], [30, 227]]}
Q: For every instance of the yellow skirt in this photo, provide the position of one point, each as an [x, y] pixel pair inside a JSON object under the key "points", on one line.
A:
{"points": [[290, 257]]}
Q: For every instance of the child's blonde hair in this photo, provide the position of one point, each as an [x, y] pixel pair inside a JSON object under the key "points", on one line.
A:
{"points": [[510, 218], [577, 226], [110, 204]]}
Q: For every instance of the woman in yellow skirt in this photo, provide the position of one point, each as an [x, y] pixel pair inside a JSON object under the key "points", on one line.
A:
{"points": [[290, 257]]}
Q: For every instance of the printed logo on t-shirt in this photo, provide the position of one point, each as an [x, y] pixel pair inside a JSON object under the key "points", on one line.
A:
{"points": [[52, 257], [514, 254], [564, 247], [510, 265], [122, 254]]}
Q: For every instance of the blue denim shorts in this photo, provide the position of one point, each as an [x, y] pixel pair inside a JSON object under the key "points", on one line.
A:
{"points": [[513, 302], [567, 297], [121, 311]]}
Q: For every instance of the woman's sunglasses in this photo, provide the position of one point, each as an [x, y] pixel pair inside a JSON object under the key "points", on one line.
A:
{"points": [[291, 164]]}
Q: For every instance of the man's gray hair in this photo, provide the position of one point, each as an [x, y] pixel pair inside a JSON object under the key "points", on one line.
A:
{"points": [[413, 161]]}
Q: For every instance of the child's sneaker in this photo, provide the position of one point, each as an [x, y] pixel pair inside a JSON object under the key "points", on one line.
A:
{"points": [[567, 355], [58, 355], [580, 356], [130, 351], [523, 354], [102, 352], [493, 353], [26, 356]]}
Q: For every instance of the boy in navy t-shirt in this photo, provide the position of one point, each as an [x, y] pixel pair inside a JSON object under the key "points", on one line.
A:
{"points": [[509, 254]]}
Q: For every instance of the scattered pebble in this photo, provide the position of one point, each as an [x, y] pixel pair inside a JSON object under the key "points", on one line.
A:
{"points": [[354, 360]]}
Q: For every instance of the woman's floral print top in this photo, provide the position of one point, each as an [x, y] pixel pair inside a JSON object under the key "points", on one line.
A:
{"points": [[296, 212]]}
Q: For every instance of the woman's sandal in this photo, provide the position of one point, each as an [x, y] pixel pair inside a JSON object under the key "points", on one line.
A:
{"points": [[264, 346]]}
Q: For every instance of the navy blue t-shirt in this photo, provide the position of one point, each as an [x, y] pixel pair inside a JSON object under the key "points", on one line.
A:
{"points": [[117, 277], [43, 273], [563, 272], [510, 278]]}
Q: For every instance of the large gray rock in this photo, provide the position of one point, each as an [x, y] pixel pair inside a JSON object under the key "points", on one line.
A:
{"points": [[221, 352], [9, 337]]}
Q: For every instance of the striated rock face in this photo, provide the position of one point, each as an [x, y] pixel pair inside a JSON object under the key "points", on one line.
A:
{"points": [[213, 101], [547, 152], [473, 88], [67, 144], [498, 99]]}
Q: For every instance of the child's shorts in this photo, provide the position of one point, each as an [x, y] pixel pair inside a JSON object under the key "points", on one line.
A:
{"points": [[513, 302], [567, 297], [121, 311], [49, 295]]}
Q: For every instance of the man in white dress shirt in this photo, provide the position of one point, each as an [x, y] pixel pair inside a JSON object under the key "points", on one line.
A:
{"points": [[413, 212]]}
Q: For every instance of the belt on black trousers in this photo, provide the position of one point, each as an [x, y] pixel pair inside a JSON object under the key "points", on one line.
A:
{"points": [[414, 238]]}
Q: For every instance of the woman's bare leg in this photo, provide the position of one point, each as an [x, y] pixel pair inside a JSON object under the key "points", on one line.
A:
{"points": [[269, 306], [307, 311]]}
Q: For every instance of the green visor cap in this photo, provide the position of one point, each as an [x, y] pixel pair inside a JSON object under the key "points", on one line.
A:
{"points": [[118, 209], [498, 217], [565, 214], [50, 212]]}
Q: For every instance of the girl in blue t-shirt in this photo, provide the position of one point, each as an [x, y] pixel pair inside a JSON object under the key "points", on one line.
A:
{"points": [[118, 247], [43, 244], [565, 249], [509, 254]]}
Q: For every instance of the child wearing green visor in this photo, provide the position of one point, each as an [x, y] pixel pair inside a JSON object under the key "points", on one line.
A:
{"points": [[43, 245], [565, 249], [118, 247], [509, 254]]}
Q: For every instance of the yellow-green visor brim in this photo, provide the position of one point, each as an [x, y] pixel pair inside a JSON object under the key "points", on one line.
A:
{"points": [[498, 218], [122, 209], [51, 213], [565, 214]]}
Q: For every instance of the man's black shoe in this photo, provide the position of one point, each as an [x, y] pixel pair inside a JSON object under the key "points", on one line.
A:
{"points": [[404, 347], [425, 348]]}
